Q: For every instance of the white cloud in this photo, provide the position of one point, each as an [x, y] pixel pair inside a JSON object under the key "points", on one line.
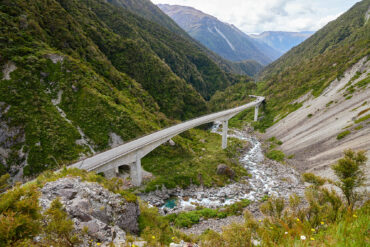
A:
{"points": [[253, 16]]}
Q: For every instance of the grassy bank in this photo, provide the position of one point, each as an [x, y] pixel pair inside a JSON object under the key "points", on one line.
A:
{"points": [[193, 160]]}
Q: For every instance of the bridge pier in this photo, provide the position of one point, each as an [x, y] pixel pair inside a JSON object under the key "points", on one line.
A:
{"points": [[256, 113], [136, 172], [225, 128]]}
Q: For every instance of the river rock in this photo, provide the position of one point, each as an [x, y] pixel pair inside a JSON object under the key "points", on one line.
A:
{"points": [[107, 216], [223, 169]]}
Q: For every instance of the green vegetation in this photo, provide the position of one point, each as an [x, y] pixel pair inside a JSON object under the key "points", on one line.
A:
{"points": [[113, 68], [297, 228], [350, 174], [187, 219], [276, 155], [328, 104], [291, 156], [193, 160], [58, 227], [362, 119], [325, 222], [363, 83], [21, 218], [275, 141], [313, 179], [4, 182], [343, 134]]}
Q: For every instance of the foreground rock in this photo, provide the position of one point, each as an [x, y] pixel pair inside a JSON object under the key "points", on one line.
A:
{"points": [[106, 216]]}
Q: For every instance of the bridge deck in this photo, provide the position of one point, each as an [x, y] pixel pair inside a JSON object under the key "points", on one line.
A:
{"points": [[105, 157]]}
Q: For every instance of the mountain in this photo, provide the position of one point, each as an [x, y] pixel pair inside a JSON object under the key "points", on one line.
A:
{"points": [[317, 94], [282, 41], [151, 12], [89, 74], [222, 38]]}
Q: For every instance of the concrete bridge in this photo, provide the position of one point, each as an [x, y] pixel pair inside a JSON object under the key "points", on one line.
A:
{"points": [[131, 153]]}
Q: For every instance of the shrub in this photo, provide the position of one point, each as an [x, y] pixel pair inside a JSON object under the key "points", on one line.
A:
{"points": [[311, 178], [58, 227], [276, 155], [350, 174], [19, 215], [273, 207], [363, 119], [343, 134], [151, 223], [187, 219], [4, 182]]}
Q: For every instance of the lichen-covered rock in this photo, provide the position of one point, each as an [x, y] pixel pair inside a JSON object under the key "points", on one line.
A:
{"points": [[106, 216]]}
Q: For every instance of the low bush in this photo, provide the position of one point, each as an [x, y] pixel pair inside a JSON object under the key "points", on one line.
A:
{"points": [[362, 119], [187, 219], [276, 155], [343, 134], [315, 180]]}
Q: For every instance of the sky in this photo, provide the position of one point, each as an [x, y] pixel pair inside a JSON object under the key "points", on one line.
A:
{"points": [[255, 16]]}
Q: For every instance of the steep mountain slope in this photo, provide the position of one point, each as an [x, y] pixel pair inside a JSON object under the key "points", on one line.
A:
{"points": [[151, 12], [222, 38], [318, 93], [86, 75], [317, 62], [282, 41]]}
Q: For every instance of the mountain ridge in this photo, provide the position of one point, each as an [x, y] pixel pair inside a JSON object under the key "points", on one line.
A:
{"points": [[220, 37], [282, 41]]}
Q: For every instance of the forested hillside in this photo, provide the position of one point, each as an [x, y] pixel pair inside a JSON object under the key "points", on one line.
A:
{"points": [[85, 75]]}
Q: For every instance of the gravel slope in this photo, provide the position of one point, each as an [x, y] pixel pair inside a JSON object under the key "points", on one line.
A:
{"points": [[313, 140]]}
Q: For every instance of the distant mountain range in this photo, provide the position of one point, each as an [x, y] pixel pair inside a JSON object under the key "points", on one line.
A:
{"points": [[282, 41], [230, 42]]}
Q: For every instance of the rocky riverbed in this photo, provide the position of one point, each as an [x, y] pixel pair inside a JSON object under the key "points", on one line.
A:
{"points": [[267, 178]]}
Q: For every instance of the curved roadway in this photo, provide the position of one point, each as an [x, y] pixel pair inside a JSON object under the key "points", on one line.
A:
{"points": [[103, 158]]}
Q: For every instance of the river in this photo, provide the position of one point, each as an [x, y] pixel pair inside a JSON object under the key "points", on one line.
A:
{"points": [[267, 178]]}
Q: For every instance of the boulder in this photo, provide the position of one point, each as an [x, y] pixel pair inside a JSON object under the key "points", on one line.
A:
{"points": [[223, 169], [106, 216]]}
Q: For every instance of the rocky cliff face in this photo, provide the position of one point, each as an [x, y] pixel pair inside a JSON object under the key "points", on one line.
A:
{"points": [[106, 216]]}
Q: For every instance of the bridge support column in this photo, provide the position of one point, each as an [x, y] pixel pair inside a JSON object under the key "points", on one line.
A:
{"points": [[256, 113], [224, 133], [136, 173]]}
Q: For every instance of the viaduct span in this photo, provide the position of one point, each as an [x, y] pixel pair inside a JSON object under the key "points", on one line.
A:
{"points": [[132, 152]]}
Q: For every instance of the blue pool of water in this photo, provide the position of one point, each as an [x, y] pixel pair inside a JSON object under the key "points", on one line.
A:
{"points": [[170, 203]]}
